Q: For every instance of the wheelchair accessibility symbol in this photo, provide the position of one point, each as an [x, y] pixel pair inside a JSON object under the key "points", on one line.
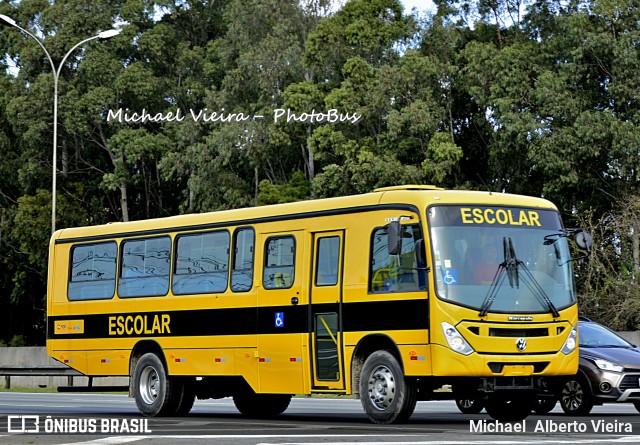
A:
{"points": [[450, 277], [279, 321]]}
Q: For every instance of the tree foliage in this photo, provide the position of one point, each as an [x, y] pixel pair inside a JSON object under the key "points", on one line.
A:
{"points": [[533, 97]]}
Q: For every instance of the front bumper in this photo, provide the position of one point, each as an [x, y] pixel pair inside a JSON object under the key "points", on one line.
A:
{"points": [[615, 387], [449, 363]]}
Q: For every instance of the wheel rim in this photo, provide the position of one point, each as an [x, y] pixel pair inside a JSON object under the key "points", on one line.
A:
{"points": [[466, 403], [149, 385], [382, 388], [572, 395]]}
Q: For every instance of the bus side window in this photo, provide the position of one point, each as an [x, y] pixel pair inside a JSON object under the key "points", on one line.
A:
{"points": [[327, 261], [242, 261], [93, 271], [278, 271], [202, 263], [397, 273], [145, 267]]}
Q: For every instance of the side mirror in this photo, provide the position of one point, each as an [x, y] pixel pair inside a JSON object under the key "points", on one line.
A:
{"points": [[394, 238], [584, 240]]}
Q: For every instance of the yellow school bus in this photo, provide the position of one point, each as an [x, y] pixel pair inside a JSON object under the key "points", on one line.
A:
{"points": [[387, 296]]}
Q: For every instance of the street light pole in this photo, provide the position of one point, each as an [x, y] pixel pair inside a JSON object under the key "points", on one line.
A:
{"points": [[56, 74]]}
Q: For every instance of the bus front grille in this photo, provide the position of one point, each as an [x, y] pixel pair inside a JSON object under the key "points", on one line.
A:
{"points": [[497, 367], [518, 332]]}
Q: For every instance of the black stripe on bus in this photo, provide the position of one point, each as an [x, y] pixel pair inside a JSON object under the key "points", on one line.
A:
{"points": [[240, 222], [362, 316]]}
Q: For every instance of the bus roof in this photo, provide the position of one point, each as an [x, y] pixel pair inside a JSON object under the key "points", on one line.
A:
{"points": [[419, 195]]}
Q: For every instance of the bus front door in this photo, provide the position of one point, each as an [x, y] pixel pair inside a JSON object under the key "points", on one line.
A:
{"points": [[326, 312], [282, 314]]}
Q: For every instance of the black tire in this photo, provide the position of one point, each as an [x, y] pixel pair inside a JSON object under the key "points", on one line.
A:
{"points": [[385, 394], [153, 392], [575, 397], [185, 399], [510, 407], [261, 405], [543, 405], [470, 406]]}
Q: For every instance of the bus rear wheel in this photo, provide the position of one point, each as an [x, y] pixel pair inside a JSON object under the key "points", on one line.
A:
{"points": [[261, 405], [510, 407], [385, 394], [152, 390], [184, 397]]}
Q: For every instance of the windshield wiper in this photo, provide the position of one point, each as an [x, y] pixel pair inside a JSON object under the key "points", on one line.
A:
{"points": [[511, 266]]}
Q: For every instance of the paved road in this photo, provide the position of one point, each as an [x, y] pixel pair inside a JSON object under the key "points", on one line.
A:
{"points": [[307, 421]]}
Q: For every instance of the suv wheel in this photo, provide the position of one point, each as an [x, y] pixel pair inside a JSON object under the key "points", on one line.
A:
{"points": [[575, 397]]}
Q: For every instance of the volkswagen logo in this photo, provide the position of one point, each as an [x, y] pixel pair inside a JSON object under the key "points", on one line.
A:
{"points": [[521, 344]]}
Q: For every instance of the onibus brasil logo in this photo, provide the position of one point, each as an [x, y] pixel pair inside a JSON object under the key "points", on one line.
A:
{"points": [[34, 424]]}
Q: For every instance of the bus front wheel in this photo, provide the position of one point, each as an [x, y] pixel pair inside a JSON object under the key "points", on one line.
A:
{"points": [[510, 407], [152, 389], [385, 394]]}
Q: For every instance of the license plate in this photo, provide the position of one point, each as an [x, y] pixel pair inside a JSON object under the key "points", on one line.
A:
{"points": [[510, 370]]}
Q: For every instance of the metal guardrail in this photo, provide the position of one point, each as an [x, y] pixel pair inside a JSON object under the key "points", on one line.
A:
{"points": [[37, 371], [19, 370], [54, 371]]}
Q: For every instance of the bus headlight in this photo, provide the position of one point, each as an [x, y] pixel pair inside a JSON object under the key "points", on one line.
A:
{"points": [[455, 339], [570, 343]]}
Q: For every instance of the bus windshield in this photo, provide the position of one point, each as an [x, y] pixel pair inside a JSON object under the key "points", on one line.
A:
{"points": [[501, 259]]}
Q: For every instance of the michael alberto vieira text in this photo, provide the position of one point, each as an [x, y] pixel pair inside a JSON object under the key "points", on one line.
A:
{"points": [[550, 426]]}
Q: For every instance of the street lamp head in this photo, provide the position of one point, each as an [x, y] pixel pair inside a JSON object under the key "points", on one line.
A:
{"points": [[110, 33], [7, 20]]}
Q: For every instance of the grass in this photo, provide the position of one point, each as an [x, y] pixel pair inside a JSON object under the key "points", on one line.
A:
{"points": [[29, 390], [55, 390]]}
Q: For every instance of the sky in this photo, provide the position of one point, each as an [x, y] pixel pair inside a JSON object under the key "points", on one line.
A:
{"points": [[420, 5]]}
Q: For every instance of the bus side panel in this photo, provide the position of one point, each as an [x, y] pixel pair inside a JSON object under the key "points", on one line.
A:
{"points": [[108, 362], [416, 359], [50, 284], [70, 346], [61, 351], [113, 359], [281, 364], [415, 353], [246, 366], [201, 362]]}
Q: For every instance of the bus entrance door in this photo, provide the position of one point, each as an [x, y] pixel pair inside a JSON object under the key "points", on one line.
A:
{"points": [[282, 314], [326, 311]]}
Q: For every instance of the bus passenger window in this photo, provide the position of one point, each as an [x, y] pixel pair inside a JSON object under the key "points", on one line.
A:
{"points": [[93, 272], [278, 272], [327, 261], [202, 263], [242, 266], [145, 267], [397, 273]]}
